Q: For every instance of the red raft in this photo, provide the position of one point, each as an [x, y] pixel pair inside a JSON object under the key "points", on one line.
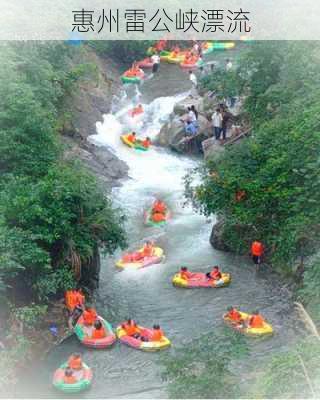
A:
{"points": [[200, 280], [86, 340], [145, 63]]}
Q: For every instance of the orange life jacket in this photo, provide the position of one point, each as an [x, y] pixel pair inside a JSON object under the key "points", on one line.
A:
{"points": [[89, 316], [257, 249], [256, 321], [215, 275], [185, 274], [234, 315], [69, 379], [75, 363], [159, 206], [158, 217], [146, 143], [131, 138], [156, 335], [98, 333], [130, 329], [147, 251]]}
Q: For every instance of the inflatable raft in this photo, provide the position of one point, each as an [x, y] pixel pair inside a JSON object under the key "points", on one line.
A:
{"points": [[146, 63], [265, 330], [192, 63], [176, 58], [144, 262], [199, 280], [136, 111], [129, 77], [107, 341], [164, 55], [149, 222], [140, 344], [136, 145], [82, 384], [223, 45]]}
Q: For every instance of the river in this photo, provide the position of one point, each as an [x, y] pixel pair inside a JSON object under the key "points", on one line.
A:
{"points": [[148, 295]]}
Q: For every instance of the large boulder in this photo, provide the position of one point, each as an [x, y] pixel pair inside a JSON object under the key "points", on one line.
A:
{"points": [[181, 107], [172, 135], [216, 237]]}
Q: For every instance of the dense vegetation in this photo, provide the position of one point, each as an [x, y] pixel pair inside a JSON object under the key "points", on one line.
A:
{"points": [[202, 368], [276, 170], [125, 51], [267, 188], [53, 212], [54, 215]]}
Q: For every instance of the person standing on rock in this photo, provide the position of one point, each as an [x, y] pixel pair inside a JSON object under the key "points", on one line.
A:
{"points": [[155, 62], [217, 123], [226, 117]]}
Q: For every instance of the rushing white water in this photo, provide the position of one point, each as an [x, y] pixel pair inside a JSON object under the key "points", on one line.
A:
{"points": [[155, 173]]}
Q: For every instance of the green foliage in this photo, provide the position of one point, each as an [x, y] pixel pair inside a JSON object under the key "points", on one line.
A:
{"points": [[278, 166], [53, 213], [287, 374], [55, 282], [125, 51], [201, 369], [56, 222], [224, 83], [30, 315], [9, 359]]}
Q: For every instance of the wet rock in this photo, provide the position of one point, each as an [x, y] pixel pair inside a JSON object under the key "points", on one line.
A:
{"points": [[216, 238], [99, 160], [172, 135]]}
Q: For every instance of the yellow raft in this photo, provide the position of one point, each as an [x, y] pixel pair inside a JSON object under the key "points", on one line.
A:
{"points": [[139, 344], [144, 262], [199, 280], [255, 332], [125, 140]]}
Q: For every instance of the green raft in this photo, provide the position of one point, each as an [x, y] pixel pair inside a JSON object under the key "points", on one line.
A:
{"points": [[128, 79], [83, 384], [148, 221]]}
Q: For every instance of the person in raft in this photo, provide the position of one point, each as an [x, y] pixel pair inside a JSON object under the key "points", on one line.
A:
{"points": [[256, 320], [98, 331], [146, 142], [185, 273], [137, 110], [131, 328], [147, 251], [132, 137], [156, 334], [234, 316], [89, 318], [69, 377], [215, 274], [257, 250], [158, 211], [159, 206]]}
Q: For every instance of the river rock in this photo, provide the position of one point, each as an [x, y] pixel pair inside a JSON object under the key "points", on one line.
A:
{"points": [[181, 107], [216, 237], [172, 135]]}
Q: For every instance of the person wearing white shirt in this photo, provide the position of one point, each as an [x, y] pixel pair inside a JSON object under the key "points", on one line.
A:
{"points": [[155, 62], [217, 123], [193, 79], [228, 65]]}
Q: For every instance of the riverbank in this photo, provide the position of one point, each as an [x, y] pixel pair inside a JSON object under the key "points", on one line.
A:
{"points": [[26, 342]]}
